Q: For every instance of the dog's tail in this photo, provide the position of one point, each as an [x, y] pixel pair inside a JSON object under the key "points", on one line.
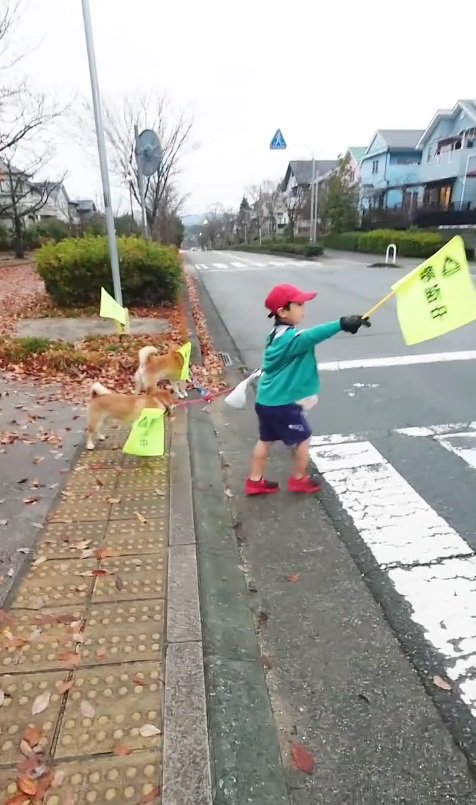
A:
{"points": [[145, 353], [98, 390]]}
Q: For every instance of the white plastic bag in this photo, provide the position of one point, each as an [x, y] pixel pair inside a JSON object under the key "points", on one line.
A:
{"points": [[237, 398]]}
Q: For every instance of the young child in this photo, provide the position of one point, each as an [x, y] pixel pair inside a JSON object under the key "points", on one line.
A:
{"points": [[288, 385]]}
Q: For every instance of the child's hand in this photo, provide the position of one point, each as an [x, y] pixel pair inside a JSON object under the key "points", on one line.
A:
{"points": [[352, 324]]}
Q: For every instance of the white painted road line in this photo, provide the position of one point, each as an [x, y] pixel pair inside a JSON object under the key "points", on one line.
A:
{"points": [[219, 265], [463, 445], [443, 602], [398, 360], [393, 520], [400, 528]]}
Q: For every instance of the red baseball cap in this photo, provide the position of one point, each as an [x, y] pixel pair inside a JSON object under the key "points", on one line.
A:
{"points": [[282, 295]]}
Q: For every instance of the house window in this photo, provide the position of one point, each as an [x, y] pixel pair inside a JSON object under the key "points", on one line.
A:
{"points": [[375, 166]]}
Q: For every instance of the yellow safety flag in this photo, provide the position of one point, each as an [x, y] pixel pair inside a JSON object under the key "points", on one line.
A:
{"points": [[186, 351], [123, 329], [110, 309], [436, 297], [147, 436]]}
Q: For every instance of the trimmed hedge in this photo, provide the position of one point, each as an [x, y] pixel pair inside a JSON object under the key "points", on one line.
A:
{"points": [[75, 269], [281, 247], [409, 243]]}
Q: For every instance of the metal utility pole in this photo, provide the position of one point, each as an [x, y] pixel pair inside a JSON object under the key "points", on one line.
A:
{"points": [[111, 232], [313, 194], [316, 199], [140, 181]]}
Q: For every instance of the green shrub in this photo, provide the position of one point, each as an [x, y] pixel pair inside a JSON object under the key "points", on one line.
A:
{"points": [[305, 249], [5, 239], [75, 269], [411, 243]]}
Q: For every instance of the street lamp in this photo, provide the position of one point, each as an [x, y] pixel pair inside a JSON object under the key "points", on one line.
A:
{"points": [[463, 187]]}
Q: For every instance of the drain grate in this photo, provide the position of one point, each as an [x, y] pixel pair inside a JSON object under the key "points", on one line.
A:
{"points": [[225, 358]]}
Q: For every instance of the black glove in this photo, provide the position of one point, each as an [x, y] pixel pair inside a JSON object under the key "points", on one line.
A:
{"points": [[351, 324]]}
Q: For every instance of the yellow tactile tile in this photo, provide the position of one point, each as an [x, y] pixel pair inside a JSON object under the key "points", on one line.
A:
{"points": [[131, 578], [75, 509], [142, 477], [48, 635], [87, 480], [20, 691], [68, 540], [122, 704], [148, 503], [128, 537], [123, 632], [100, 780], [99, 459], [55, 582]]}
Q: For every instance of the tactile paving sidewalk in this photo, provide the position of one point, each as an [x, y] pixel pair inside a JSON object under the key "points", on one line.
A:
{"points": [[83, 641]]}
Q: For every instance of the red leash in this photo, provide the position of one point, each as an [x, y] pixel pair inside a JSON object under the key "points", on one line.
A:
{"points": [[208, 398]]}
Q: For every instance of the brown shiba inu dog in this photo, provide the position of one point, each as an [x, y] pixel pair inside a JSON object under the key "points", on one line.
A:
{"points": [[154, 367], [125, 408]]}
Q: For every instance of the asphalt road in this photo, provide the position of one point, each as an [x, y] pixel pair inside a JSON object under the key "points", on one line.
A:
{"points": [[397, 447]]}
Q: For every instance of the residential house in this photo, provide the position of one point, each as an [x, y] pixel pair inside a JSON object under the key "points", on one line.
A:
{"points": [[57, 205], [448, 167], [299, 176], [390, 170], [81, 211], [355, 154]]}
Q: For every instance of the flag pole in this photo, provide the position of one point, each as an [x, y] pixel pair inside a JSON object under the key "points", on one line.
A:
{"points": [[378, 305]]}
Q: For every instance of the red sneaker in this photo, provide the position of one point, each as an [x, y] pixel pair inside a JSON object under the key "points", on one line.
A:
{"points": [[304, 486], [261, 487]]}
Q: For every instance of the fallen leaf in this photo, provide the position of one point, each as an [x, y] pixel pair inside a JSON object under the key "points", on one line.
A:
{"points": [[87, 710], [302, 758], [139, 680], [30, 501], [87, 554], [229, 493], [17, 799], [140, 517], [2, 697], [18, 642], [160, 493], [266, 662], [38, 561], [113, 500], [32, 735], [68, 659], [101, 655], [104, 553], [149, 730], [121, 750], [26, 749], [41, 703], [441, 683], [58, 778], [81, 545], [78, 637], [81, 588], [38, 459], [119, 583], [35, 483], [63, 687], [27, 786], [37, 525], [100, 573], [99, 482], [3, 522], [293, 577], [147, 798]]}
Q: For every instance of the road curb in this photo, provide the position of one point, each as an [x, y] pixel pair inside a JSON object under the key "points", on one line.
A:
{"points": [[186, 761]]}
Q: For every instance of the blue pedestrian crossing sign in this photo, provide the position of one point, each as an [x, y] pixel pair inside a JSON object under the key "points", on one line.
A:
{"points": [[278, 143]]}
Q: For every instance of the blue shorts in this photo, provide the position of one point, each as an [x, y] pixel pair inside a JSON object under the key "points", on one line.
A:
{"points": [[282, 423]]}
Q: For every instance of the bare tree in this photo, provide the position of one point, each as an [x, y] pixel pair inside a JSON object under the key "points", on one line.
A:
{"points": [[295, 204], [153, 112], [273, 203], [22, 198], [258, 208]]}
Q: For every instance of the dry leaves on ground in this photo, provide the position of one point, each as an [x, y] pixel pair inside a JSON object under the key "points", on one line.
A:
{"points": [[41, 703], [149, 730], [441, 683]]}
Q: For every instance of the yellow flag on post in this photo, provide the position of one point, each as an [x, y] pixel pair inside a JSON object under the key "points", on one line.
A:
{"points": [[147, 436], [436, 297], [110, 309], [186, 351]]}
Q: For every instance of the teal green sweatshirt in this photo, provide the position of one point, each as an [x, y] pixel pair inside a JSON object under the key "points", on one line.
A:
{"points": [[289, 364]]}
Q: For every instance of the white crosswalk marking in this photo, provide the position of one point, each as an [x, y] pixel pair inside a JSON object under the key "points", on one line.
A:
{"points": [[252, 265], [219, 265], [428, 563]]}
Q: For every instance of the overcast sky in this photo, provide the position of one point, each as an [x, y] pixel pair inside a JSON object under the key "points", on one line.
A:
{"points": [[327, 73]]}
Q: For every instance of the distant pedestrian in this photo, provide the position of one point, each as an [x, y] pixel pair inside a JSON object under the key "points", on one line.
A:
{"points": [[289, 385]]}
